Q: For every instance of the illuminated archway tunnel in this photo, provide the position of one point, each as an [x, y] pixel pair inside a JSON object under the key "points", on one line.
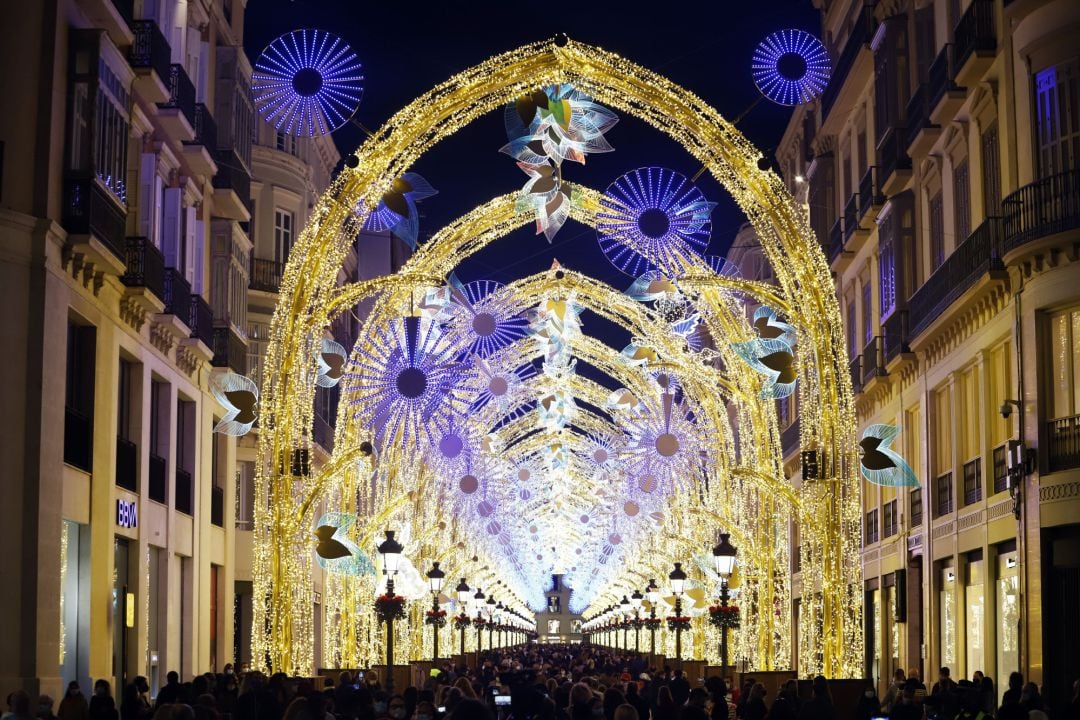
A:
{"points": [[501, 462]]}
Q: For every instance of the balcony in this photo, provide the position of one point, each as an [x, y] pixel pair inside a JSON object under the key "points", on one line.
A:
{"points": [[1063, 438], [978, 255], [944, 97], [177, 295], [873, 364], [861, 34], [199, 152], [201, 321], [156, 489], [184, 494], [150, 58], [95, 222], [921, 134], [856, 374], [113, 16], [976, 42], [870, 195], [265, 275], [127, 464], [836, 242], [1042, 208], [217, 506], [232, 188], [78, 439], [894, 161], [230, 350], [851, 217], [894, 337], [177, 114], [789, 438], [145, 272]]}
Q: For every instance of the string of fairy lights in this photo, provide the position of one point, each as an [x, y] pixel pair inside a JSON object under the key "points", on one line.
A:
{"points": [[504, 500]]}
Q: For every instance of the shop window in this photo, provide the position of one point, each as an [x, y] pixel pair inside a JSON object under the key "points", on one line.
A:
{"points": [[1008, 613], [974, 615], [947, 631]]}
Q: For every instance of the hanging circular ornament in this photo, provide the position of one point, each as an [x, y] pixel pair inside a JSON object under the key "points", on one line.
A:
{"points": [[307, 82], [650, 220], [791, 67]]}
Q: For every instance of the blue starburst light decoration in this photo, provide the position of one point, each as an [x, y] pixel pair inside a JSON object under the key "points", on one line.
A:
{"points": [[307, 82], [483, 311], [791, 67], [407, 384], [650, 220]]}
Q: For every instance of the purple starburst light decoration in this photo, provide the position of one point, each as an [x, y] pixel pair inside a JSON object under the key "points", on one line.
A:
{"points": [[791, 67], [406, 383], [482, 311], [650, 220], [665, 447], [307, 82]]}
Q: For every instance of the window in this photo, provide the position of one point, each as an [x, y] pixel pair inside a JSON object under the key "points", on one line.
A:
{"points": [[889, 519], [999, 380], [852, 352], [283, 235], [886, 272], [891, 85], [126, 449], [1001, 469], [943, 432], [185, 456], [100, 128], [924, 41], [1057, 117], [1064, 354], [937, 232], [822, 198], [871, 535], [991, 171], [217, 491], [159, 437], [867, 313], [896, 272], [972, 481], [947, 609], [962, 201], [79, 396], [245, 495], [916, 507], [943, 487]]}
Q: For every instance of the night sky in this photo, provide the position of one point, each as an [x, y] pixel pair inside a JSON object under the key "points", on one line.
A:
{"points": [[407, 47]]}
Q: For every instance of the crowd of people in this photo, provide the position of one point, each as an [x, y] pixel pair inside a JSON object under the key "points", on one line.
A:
{"points": [[537, 682]]}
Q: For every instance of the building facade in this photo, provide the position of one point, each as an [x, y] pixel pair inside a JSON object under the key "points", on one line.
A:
{"points": [[124, 214], [941, 174]]}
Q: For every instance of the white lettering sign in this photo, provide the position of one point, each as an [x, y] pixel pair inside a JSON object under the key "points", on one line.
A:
{"points": [[127, 515]]}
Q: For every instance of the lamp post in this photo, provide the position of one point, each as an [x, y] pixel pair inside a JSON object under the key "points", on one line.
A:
{"points": [[491, 622], [463, 600], [478, 602], [624, 608], [724, 560], [435, 580], [390, 550], [635, 602], [499, 620], [678, 582], [653, 593]]}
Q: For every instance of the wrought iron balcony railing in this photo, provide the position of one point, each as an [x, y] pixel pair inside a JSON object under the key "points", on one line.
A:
{"points": [[90, 210], [265, 275], [1045, 207], [895, 335], [870, 194], [145, 266], [201, 320], [975, 31], [150, 50], [181, 93]]}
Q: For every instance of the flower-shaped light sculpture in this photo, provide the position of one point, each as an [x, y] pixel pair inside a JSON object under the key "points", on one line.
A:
{"points": [[406, 382], [771, 353], [484, 311], [556, 123], [665, 448], [501, 389], [650, 220], [882, 465], [239, 395], [307, 82], [791, 67], [397, 211]]}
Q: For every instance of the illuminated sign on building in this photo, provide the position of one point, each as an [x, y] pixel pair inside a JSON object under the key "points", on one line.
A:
{"points": [[127, 514]]}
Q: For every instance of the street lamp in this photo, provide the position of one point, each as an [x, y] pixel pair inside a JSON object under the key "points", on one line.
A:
{"points": [[491, 622], [624, 608], [390, 551], [653, 593], [478, 603], [499, 621], [724, 560], [677, 577], [435, 580], [463, 600], [635, 602]]}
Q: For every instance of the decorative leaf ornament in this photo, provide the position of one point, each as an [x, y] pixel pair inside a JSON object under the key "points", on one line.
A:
{"points": [[332, 357], [881, 464], [396, 211], [335, 552], [771, 354], [239, 396]]}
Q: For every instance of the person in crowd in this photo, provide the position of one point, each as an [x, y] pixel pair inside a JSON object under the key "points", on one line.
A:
{"points": [[131, 706], [19, 706], [892, 695], [171, 692], [970, 701], [680, 688], [755, 707], [613, 698], [1032, 701], [869, 706], [102, 704], [695, 706], [626, 711], [906, 708], [786, 704], [987, 695], [470, 709], [1012, 694], [820, 705], [73, 706], [945, 682], [45, 708], [666, 709], [424, 711], [396, 707]]}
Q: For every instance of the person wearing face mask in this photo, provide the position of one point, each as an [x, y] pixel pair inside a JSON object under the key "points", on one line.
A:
{"points": [[424, 711], [905, 708], [381, 705], [73, 706], [869, 705], [397, 708]]}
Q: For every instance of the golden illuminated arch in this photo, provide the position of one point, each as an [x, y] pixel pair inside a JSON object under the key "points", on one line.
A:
{"points": [[829, 508]]}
